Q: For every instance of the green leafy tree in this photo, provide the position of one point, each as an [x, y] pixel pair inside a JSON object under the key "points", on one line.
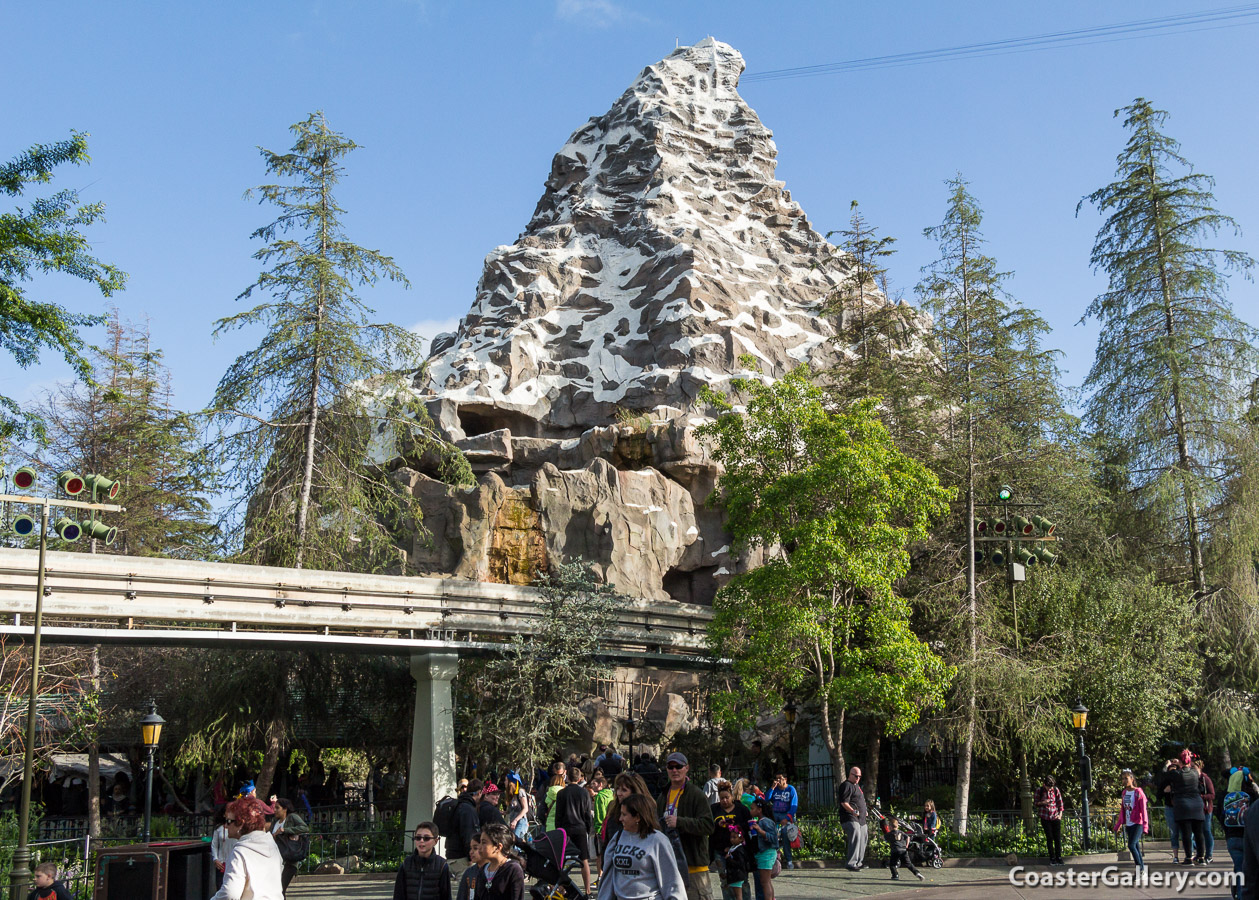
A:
{"points": [[515, 709], [122, 424], [303, 413], [1173, 363], [45, 238], [836, 506], [998, 418]]}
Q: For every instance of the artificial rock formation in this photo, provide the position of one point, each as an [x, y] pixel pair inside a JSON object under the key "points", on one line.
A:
{"points": [[662, 258]]}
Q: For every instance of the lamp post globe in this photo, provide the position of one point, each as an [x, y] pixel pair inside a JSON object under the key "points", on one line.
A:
{"points": [[1079, 720], [150, 736]]}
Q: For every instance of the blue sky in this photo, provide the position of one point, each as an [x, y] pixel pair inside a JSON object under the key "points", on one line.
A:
{"points": [[459, 108]]}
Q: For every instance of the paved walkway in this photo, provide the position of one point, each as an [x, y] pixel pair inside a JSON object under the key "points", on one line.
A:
{"points": [[951, 883]]}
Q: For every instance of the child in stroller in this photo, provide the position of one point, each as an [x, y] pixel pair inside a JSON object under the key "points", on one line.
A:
{"points": [[545, 860], [923, 849]]}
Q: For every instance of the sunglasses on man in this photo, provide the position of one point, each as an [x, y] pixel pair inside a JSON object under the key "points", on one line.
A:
{"points": [[423, 837]]}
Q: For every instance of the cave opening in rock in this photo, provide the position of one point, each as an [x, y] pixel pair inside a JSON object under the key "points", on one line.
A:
{"points": [[476, 419], [697, 586]]}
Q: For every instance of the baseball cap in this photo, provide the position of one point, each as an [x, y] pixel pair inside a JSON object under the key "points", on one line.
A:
{"points": [[678, 758]]}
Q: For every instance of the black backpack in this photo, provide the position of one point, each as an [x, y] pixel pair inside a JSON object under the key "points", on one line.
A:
{"points": [[293, 847], [444, 816]]}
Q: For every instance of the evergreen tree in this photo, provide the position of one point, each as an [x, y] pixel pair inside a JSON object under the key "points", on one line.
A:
{"points": [[45, 238], [121, 424], [1173, 361], [301, 414], [515, 709], [999, 419], [887, 355]]}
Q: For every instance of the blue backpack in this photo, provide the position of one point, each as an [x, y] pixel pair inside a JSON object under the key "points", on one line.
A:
{"points": [[1235, 805]]}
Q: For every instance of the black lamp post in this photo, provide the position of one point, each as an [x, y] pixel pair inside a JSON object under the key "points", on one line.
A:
{"points": [[150, 736], [1079, 719], [789, 713]]}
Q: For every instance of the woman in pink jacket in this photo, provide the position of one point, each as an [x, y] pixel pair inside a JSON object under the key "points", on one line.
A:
{"points": [[1134, 817]]}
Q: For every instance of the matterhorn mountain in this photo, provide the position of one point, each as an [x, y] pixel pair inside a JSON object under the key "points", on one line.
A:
{"points": [[663, 257]]}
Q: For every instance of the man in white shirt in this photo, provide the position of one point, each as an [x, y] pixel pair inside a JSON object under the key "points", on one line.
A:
{"points": [[714, 779]]}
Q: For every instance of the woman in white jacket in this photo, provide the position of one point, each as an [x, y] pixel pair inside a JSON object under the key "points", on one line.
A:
{"points": [[254, 866]]}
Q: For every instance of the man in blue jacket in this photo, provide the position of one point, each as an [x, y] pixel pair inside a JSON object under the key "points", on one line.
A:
{"points": [[784, 799]]}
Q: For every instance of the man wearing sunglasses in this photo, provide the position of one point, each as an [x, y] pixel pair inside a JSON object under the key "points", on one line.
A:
{"points": [[684, 808], [424, 875]]}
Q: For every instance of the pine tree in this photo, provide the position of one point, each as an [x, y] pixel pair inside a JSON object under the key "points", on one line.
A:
{"points": [[887, 355], [42, 239], [1173, 361], [300, 413], [999, 419], [121, 424]]}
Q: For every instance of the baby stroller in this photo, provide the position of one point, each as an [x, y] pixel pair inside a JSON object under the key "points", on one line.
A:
{"points": [[546, 859], [923, 849]]}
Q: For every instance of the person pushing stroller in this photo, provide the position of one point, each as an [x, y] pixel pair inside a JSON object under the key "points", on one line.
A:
{"points": [[898, 849]]}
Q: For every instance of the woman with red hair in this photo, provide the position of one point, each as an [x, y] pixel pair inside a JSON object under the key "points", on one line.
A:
{"points": [[255, 866]]}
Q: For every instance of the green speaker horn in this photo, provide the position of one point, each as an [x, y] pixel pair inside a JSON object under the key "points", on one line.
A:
{"points": [[24, 526], [1025, 556], [1043, 525], [68, 529], [102, 486], [1023, 525], [101, 532], [70, 483], [24, 478], [1046, 556]]}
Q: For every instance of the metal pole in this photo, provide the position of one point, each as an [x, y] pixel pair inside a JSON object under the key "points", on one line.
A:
{"points": [[148, 799], [20, 875], [1085, 774]]}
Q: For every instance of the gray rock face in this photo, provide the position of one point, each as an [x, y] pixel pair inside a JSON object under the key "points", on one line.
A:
{"points": [[662, 258], [661, 252]]}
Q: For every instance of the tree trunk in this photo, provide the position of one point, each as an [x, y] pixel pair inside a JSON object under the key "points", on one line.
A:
{"points": [[833, 737], [94, 756], [274, 738], [961, 806], [871, 778], [1183, 462]]}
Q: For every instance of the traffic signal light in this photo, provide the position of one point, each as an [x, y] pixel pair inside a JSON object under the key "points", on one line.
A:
{"points": [[99, 484], [101, 532], [1023, 525], [998, 557], [981, 527], [24, 478], [1044, 527], [24, 526], [996, 526], [1004, 494], [68, 529], [1046, 556], [1024, 556], [70, 483]]}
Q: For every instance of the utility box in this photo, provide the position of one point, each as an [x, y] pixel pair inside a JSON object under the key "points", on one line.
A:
{"points": [[166, 870]]}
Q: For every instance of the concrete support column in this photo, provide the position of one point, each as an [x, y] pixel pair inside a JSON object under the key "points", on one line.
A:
{"points": [[432, 773]]}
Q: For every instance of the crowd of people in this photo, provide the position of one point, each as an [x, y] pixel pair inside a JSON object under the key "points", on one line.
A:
{"points": [[633, 831], [1190, 802]]}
